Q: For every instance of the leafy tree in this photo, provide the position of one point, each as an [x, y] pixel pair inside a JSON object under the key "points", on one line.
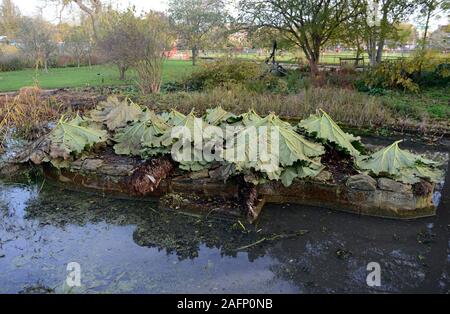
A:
{"points": [[428, 10], [439, 38], [138, 42], [36, 38], [377, 22], [194, 19], [403, 34], [310, 24], [391, 13]]}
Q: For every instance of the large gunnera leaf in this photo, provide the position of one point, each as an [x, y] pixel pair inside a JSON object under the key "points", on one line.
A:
{"points": [[322, 126], [160, 138], [300, 171], [115, 113], [156, 128], [190, 137], [250, 117], [217, 116], [192, 124], [390, 160], [173, 117], [268, 145], [66, 139], [401, 165], [130, 140], [417, 172], [70, 138]]}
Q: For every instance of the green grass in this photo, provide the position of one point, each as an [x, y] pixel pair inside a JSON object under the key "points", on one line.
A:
{"points": [[432, 101], [99, 75]]}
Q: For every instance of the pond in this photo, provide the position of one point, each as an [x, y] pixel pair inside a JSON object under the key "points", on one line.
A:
{"points": [[125, 246]]}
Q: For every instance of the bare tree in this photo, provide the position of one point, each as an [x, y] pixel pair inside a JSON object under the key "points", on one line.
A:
{"points": [[155, 39], [139, 42], [37, 40], [93, 8], [118, 39], [77, 43]]}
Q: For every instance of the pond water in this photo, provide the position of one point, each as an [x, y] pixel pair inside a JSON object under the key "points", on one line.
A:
{"points": [[125, 246]]}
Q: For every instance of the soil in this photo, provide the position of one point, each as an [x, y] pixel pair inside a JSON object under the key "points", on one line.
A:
{"points": [[340, 165]]}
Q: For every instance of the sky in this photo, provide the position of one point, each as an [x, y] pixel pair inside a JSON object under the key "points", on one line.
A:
{"points": [[51, 13]]}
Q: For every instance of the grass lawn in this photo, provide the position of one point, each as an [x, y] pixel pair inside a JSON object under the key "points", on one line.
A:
{"points": [[434, 101], [98, 75]]}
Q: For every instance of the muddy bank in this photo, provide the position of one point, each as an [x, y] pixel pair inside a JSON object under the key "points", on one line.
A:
{"points": [[361, 194], [74, 99]]}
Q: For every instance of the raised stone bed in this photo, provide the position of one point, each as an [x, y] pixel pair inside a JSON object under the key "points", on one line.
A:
{"points": [[206, 193]]}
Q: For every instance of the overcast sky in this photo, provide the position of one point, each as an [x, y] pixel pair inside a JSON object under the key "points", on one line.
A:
{"points": [[50, 12]]}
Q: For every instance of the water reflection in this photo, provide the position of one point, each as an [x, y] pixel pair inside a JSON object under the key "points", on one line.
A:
{"points": [[122, 246], [129, 246]]}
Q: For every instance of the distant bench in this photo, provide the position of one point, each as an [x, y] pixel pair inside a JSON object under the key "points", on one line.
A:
{"points": [[356, 61]]}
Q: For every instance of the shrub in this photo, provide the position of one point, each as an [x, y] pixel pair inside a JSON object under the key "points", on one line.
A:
{"points": [[224, 73], [68, 61], [63, 61], [27, 114], [423, 70], [11, 62], [297, 80], [232, 73]]}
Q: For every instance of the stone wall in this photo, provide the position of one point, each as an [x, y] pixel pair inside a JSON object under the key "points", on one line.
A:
{"points": [[361, 194]]}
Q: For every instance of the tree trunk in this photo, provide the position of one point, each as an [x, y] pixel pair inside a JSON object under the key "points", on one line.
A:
{"points": [[194, 55], [314, 67], [371, 51], [94, 27], [380, 48], [312, 53], [384, 24], [122, 70], [358, 52], [427, 25], [93, 12], [45, 65]]}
